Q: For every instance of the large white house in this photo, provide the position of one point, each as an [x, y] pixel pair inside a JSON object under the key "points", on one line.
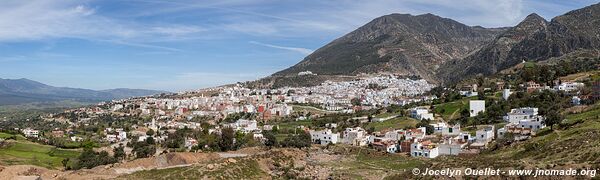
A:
{"points": [[522, 121], [476, 106], [516, 115], [324, 137]]}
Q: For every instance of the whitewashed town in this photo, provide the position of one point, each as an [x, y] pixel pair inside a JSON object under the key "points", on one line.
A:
{"points": [[254, 111]]}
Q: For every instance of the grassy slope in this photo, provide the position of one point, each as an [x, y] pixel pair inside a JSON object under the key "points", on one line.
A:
{"points": [[396, 123], [24, 152], [452, 109]]}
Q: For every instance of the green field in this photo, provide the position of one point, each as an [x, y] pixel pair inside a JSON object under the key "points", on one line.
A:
{"points": [[6, 135], [396, 123], [291, 125], [24, 152], [451, 110]]}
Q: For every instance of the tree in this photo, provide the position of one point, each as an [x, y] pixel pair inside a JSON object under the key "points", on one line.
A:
{"points": [[552, 118], [429, 129], [297, 140], [355, 101], [271, 140], [150, 140], [226, 140], [150, 132], [89, 159], [144, 150], [119, 152]]}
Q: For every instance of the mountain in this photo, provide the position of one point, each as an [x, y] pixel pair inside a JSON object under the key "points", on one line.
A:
{"points": [[397, 43], [20, 91], [442, 50], [534, 39]]}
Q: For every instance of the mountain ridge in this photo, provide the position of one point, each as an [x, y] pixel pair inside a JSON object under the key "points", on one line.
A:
{"points": [[442, 50], [20, 91]]}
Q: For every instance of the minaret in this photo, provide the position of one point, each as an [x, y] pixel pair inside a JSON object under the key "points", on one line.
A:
{"points": [[153, 125]]}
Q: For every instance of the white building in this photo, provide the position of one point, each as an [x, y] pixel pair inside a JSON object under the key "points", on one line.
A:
{"points": [[28, 132], [424, 149], [523, 122], [476, 106], [506, 94], [452, 146], [243, 125], [451, 130], [569, 86], [485, 135], [518, 114], [355, 136], [576, 100], [324, 137], [438, 127], [421, 113], [534, 124]]}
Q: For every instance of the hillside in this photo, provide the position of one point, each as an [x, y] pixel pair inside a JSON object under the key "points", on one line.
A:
{"points": [[22, 91], [442, 50]]}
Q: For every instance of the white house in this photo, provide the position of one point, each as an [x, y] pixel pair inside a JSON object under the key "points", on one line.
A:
{"points": [[476, 106], [452, 146], [534, 124], [421, 113], [439, 127], [389, 146], [516, 115], [355, 136], [523, 122], [324, 137], [424, 149], [569, 86], [451, 130], [575, 100], [485, 135]]}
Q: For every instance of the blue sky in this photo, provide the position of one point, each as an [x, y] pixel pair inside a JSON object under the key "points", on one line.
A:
{"points": [[182, 45]]}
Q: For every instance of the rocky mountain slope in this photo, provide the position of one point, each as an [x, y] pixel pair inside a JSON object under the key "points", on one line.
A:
{"points": [[20, 91], [534, 39], [442, 50], [398, 43]]}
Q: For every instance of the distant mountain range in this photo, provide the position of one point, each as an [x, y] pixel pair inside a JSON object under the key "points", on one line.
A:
{"points": [[21, 91], [442, 50]]}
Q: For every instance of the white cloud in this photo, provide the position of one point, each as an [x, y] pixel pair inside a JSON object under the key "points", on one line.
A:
{"points": [[295, 49], [178, 30], [41, 20]]}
